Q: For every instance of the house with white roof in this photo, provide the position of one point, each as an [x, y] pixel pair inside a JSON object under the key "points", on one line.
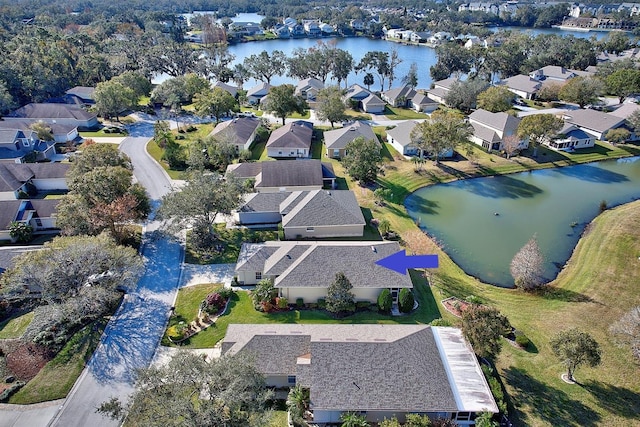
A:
{"points": [[490, 129], [379, 371]]}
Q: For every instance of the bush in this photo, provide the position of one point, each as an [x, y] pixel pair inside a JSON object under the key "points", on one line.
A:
{"points": [[322, 303], [363, 304], [385, 301], [522, 340], [496, 388], [300, 302], [176, 332], [7, 393], [282, 303], [405, 300], [214, 302], [440, 322]]}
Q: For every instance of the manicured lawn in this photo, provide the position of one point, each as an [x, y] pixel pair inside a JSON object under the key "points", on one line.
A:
{"points": [[395, 113], [357, 115], [102, 134], [231, 240], [15, 327], [241, 310], [58, 376], [258, 113], [304, 116]]}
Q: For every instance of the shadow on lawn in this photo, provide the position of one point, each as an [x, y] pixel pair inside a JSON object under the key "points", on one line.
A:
{"points": [[560, 294], [617, 400], [550, 404]]}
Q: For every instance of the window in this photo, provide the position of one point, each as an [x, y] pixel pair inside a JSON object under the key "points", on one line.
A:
{"points": [[463, 416], [258, 275], [291, 380], [310, 230], [336, 153], [38, 222]]}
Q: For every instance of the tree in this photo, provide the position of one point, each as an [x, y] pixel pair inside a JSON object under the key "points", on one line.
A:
{"points": [[385, 301], [298, 401], [362, 159], [204, 196], [97, 155], [527, 266], [444, 131], [615, 42], [377, 61], [264, 292], [368, 80], [511, 145], [549, 92], [136, 81], [634, 119], [213, 153], [282, 101], [263, 66], [329, 105], [623, 83], [341, 65], [538, 128], [6, 100], [485, 419], [463, 95], [627, 330], [225, 391], [214, 102], [483, 326], [581, 91], [20, 232], [617, 136], [405, 300], [411, 79], [43, 130], [353, 419], [339, 297], [113, 97], [394, 61], [574, 348], [496, 99]]}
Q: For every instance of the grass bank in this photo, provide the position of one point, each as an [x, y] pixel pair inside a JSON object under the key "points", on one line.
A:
{"points": [[15, 327]]}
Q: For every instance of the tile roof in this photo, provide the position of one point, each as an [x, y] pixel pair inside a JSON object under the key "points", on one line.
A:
{"points": [[317, 266], [325, 208], [237, 130], [52, 111], [396, 368], [292, 135], [339, 138]]}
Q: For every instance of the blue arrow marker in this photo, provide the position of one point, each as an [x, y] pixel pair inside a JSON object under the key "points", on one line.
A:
{"points": [[400, 262]]}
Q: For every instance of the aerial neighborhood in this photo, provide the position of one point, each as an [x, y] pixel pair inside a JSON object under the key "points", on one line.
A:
{"points": [[348, 214]]}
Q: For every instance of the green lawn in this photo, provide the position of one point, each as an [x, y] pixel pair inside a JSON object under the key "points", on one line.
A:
{"points": [[395, 113], [58, 376], [231, 240], [15, 327], [306, 115], [357, 115], [102, 134], [241, 310]]}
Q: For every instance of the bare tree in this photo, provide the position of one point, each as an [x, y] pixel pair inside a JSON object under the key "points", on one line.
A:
{"points": [[511, 145], [527, 266], [627, 330]]}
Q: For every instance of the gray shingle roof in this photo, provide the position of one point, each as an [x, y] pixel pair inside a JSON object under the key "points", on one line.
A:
{"points": [[25, 126], [405, 91], [339, 138], [396, 368], [253, 256], [245, 170], [84, 92], [232, 90], [8, 211], [283, 258], [422, 99], [402, 132], [237, 130], [522, 83], [9, 136], [594, 120], [264, 202], [499, 121], [288, 173], [325, 208], [52, 111], [373, 100], [292, 135]]}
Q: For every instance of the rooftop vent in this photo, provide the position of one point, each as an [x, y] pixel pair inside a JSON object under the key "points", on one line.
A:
{"points": [[373, 248]]}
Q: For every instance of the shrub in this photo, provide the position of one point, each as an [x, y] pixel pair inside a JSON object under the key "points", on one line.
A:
{"points": [[214, 302], [385, 301], [7, 393], [522, 340], [496, 388], [299, 302], [322, 303], [384, 227], [282, 303], [226, 293], [363, 304], [20, 232], [266, 306], [440, 322], [405, 300], [176, 332], [473, 299]]}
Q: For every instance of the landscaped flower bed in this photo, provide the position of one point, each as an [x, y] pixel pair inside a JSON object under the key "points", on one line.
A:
{"points": [[455, 305]]}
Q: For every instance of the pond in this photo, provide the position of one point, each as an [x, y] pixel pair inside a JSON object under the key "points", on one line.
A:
{"points": [[481, 223]]}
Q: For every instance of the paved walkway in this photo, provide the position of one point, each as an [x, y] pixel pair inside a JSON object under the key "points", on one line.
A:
{"points": [[193, 274]]}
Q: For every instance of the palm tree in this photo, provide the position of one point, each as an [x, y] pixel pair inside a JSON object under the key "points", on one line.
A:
{"points": [[353, 419], [298, 404]]}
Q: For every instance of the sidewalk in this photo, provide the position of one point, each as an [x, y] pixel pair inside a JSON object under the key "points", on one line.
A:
{"points": [[38, 414]]}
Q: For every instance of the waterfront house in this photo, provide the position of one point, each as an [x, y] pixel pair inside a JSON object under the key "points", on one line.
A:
{"points": [[309, 88], [570, 138], [291, 140], [286, 175], [490, 129], [399, 96], [422, 103], [257, 93], [373, 104], [231, 90], [400, 138], [336, 140], [441, 89], [594, 122], [380, 371], [556, 74], [356, 93], [523, 86]]}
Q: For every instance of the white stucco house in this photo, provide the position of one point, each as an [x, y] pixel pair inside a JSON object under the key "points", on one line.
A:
{"points": [[336, 140]]}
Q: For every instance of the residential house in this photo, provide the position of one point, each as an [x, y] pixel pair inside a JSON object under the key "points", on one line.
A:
{"points": [[84, 94], [309, 88], [625, 110], [570, 138], [487, 7], [373, 104], [420, 36], [62, 133], [282, 32], [399, 96], [594, 122], [394, 33], [312, 27], [490, 129], [56, 113], [297, 30], [241, 132], [422, 103], [356, 94], [283, 175], [17, 144], [256, 93], [232, 90], [523, 86], [556, 74], [475, 41], [359, 24], [291, 140], [400, 138], [336, 140], [39, 214], [306, 269], [326, 29], [17, 179], [380, 371], [441, 89], [439, 37], [245, 28], [316, 213]]}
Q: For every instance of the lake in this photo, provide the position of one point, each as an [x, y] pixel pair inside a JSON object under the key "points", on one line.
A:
{"points": [[554, 204]]}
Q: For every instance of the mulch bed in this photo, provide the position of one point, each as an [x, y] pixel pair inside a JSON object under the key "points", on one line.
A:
{"points": [[455, 305], [27, 360]]}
